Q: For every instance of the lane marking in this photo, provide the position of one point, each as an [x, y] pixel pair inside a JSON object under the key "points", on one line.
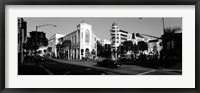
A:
{"points": [[49, 72], [140, 69], [66, 73], [146, 72]]}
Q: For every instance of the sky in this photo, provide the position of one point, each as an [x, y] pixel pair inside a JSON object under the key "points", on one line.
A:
{"points": [[101, 26]]}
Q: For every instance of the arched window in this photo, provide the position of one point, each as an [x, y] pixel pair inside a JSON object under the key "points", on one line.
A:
{"points": [[82, 35], [87, 36]]}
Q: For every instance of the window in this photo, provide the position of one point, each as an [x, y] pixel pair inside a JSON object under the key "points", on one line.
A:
{"points": [[112, 34], [112, 31], [87, 36], [123, 31], [75, 39], [82, 35], [113, 37], [72, 40], [113, 47], [123, 35], [123, 38]]}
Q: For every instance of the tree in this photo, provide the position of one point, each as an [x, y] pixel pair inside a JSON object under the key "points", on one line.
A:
{"points": [[59, 48], [100, 49], [62, 46], [66, 43], [172, 43], [172, 30], [142, 46], [121, 49], [36, 40], [135, 50], [107, 50], [128, 45]]}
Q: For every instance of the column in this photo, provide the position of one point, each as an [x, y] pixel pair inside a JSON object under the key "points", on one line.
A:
{"points": [[73, 53], [76, 53]]}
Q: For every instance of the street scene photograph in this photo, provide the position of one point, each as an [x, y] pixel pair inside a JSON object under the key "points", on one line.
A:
{"points": [[99, 46]]}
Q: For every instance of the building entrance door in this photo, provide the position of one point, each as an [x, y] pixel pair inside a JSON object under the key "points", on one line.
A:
{"points": [[87, 53]]}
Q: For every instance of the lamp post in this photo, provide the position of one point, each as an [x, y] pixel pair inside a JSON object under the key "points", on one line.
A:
{"points": [[36, 33], [163, 24], [163, 21]]}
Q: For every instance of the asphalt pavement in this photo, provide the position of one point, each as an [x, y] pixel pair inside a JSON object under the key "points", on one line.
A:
{"points": [[77, 67]]}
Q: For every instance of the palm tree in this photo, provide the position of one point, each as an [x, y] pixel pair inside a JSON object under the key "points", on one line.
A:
{"points": [[170, 36], [172, 30], [66, 44], [59, 49]]}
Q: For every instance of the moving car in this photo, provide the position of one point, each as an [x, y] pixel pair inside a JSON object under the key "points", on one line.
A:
{"points": [[40, 58], [109, 63]]}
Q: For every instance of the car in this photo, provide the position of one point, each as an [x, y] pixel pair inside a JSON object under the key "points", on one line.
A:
{"points": [[40, 58], [109, 63]]}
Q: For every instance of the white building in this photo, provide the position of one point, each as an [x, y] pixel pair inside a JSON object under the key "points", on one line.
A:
{"points": [[103, 42], [136, 37], [83, 42], [154, 47], [53, 41], [129, 37], [118, 36]]}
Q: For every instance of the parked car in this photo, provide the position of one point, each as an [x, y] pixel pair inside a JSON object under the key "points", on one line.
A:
{"points": [[109, 63]]}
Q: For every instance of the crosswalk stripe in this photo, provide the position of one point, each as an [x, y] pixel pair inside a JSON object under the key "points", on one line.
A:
{"points": [[146, 72], [49, 72]]}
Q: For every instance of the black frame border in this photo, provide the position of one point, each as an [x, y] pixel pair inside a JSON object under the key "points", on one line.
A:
{"points": [[3, 3]]}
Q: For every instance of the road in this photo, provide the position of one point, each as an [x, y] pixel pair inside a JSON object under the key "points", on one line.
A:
{"points": [[76, 67]]}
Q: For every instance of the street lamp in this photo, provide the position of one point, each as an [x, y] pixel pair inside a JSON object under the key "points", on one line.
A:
{"points": [[44, 25], [163, 24], [163, 21], [36, 32]]}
